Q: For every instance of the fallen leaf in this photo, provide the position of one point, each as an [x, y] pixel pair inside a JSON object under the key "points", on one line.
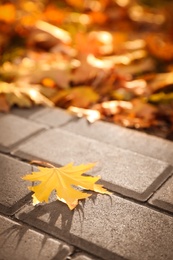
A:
{"points": [[138, 86], [160, 81], [140, 115], [142, 14], [98, 17], [131, 122], [4, 106], [127, 58], [161, 97], [87, 70], [67, 181], [90, 114], [81, 96], [114, 107], [57, 32], [23, 96], [160, 46], [7, 13], [54, 15]]}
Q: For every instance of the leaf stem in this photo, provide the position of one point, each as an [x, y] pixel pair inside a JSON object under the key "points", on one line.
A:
{"points": [[43, 163]]}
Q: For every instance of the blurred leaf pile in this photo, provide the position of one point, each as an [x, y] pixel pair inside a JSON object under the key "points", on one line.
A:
{"points": [[107, 59]]}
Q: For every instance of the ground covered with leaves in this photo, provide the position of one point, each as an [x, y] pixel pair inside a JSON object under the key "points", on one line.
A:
{"points": [[109, 60]]}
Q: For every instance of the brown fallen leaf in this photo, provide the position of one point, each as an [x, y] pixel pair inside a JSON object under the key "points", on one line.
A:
{"points": [[160, 46], [81, 96], [141, 115], [68, 182], [4, 106]]}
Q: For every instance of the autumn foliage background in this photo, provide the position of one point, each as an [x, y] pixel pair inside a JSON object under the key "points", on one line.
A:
{"points": [[109, 60]]}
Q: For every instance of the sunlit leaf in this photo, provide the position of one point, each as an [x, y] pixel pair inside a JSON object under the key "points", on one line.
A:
{"points": [[114, 107], [161, 97], [90, 114], [160, 81], [139, 13], [7, 13], [65, 181], [90, 56], [23, 96], [57, 32], [76, 96]]}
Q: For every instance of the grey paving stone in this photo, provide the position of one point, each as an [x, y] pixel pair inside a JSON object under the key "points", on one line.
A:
{"points": [[18, 242], [13, 190], [2, 114], [14, 129], [163, 198], [53, 117], [108, 227], [125, 138], [122, 171], [26, 112]]}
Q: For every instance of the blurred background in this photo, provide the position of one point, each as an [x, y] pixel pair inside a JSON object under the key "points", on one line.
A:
{"points": [[106, 60]]}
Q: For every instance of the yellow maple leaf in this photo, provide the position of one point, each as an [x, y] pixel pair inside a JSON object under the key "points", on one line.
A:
{"points": [[68, 182]]}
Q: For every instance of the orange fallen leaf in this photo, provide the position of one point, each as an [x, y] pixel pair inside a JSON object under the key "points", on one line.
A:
{"points": [[68, 182], [7, 13], [4, 106]]}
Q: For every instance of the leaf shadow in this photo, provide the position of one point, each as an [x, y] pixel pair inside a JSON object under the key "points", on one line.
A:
{"points": [[19, 235], [15, 231], [55, 218]]}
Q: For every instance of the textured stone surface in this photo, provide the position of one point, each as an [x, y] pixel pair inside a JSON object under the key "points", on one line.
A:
{"points": [[109, 227], [14, 129], [13, 190], [163, 198], [53, 117], [125, 138], [26, 112], [18, 242], [122, 171], [2, 114]]}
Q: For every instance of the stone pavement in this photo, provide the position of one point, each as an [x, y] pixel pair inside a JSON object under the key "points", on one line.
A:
{"points": [[134, 223]]}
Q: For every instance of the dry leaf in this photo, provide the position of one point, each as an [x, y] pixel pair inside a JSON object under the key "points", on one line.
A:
{"points": [[81, 96], [114, 107], [67, 181], [23, 96], [160, 46], [57, 32], [90, 114], [7, 13], [161, 97], [92, 55], [4, 106]]}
